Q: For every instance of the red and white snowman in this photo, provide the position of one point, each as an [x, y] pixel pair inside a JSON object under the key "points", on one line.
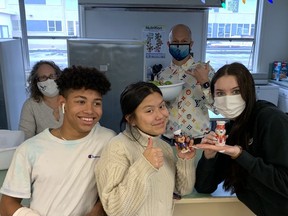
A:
{"points": [[220, 133]]}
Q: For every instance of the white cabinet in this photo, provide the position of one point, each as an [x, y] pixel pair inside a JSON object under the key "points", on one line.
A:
{"points": [[283, 99], [267, 92]]}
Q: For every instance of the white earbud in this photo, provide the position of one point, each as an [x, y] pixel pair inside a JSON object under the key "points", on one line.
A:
{"points": [[63, 108]]}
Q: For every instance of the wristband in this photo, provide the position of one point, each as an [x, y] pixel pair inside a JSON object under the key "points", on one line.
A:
{"points": [[24, 211], [236, 156], [206, 85]]}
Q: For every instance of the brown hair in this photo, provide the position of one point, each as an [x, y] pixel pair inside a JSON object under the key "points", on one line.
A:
{"points": [[240, 132], [132, 97], [32, 79]]}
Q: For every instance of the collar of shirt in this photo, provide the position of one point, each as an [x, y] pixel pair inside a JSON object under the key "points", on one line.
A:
{"points": [[134, 133], [186, 66]]}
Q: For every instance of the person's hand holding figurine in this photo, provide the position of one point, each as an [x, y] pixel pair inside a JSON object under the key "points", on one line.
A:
{"points": [[180, 141], [184, 145], [218, 139]]}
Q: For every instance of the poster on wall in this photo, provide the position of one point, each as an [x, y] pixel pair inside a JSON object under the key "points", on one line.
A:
{"points": [[153, 35]]}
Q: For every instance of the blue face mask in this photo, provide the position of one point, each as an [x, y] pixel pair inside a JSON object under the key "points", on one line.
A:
{"points": [[179, 51]]}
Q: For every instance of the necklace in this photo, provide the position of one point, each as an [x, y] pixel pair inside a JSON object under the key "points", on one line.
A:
{"points": [[61, 135]]}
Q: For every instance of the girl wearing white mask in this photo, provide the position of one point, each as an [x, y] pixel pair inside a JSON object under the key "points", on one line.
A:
{"points": [[253, 164], [41, 110]]}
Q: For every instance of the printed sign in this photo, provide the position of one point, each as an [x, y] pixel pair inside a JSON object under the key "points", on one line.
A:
{"points": [[153, 35]]}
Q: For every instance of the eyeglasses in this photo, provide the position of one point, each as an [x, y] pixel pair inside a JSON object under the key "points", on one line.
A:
{"points": [[44, 78]]}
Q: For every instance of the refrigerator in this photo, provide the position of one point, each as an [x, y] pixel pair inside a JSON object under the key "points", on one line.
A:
{"points": [[12, 83], [122, 61]]}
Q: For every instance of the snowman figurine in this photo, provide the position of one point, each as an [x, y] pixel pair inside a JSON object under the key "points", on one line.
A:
{"points": [[220, 133], [180, 141]]}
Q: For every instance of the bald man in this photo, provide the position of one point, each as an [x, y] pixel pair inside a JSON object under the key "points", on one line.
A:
{"points": [[189, 111]]}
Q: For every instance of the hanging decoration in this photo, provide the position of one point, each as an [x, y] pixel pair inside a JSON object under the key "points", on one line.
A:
{"points": [[244, 2], [223, 3]]}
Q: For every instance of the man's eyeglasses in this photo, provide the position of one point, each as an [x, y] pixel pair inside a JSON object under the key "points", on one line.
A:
{"points": [[44, 78]]}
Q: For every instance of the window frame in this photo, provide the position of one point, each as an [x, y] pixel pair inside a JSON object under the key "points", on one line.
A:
{"points": [[26, 37], [4, 31], [254, 29]]}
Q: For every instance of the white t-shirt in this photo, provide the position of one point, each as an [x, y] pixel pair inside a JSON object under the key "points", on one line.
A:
{"points": [[57, 175]]}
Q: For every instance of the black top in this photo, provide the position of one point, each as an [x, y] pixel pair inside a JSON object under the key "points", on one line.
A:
{"points": [[265, 161]]}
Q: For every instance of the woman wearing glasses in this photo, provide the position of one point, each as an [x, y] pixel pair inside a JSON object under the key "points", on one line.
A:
{"points": [[41, 110]]}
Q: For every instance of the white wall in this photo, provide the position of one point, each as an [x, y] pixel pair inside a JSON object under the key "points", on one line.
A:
{"points": [[273, 39]]}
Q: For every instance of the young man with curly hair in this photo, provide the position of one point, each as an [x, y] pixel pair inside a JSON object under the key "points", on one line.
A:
{"points": [[55, 168]]}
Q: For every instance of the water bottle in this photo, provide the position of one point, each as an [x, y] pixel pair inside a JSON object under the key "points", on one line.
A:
{"points": [[277, 70]]}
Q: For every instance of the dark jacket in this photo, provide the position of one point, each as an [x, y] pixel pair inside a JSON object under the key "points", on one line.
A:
{"points": [[265, 162]]}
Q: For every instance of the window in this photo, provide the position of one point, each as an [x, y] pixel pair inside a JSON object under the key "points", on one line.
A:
{"points": [[230, 35], [227, 30], [220, 30], [246, 29], [35, 1], [51, 49], [209, 32], [48, 25], [4, 31], [72, 28], [231, 39], [54, 26], [16, 25]]}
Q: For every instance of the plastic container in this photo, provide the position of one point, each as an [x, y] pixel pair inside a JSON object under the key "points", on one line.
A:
{"points": [[9, 141], [276, 70]]}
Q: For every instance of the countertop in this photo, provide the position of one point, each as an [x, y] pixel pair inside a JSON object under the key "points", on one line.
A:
{"points": [[281, 83], [218, 203], [219, 193]]}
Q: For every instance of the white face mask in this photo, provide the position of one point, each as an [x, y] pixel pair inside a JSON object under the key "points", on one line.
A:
{"points": [[230, 106], [48, 88]]}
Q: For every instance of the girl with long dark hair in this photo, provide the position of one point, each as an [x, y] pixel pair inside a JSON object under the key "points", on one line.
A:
{"points": [[253, 163]]}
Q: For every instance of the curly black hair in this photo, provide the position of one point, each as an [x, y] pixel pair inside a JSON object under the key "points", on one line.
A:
{"points": [[32, 79], [79, 77]]}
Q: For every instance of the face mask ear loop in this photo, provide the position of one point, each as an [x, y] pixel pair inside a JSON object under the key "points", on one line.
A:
{"points": [[63, 108]]}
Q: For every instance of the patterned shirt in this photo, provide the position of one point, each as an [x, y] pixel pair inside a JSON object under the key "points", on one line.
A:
{"points": [[189, 111]]}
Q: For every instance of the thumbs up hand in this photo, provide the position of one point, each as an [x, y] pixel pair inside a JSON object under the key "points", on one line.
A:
{"points": [[154, 155], [189, 150]]}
